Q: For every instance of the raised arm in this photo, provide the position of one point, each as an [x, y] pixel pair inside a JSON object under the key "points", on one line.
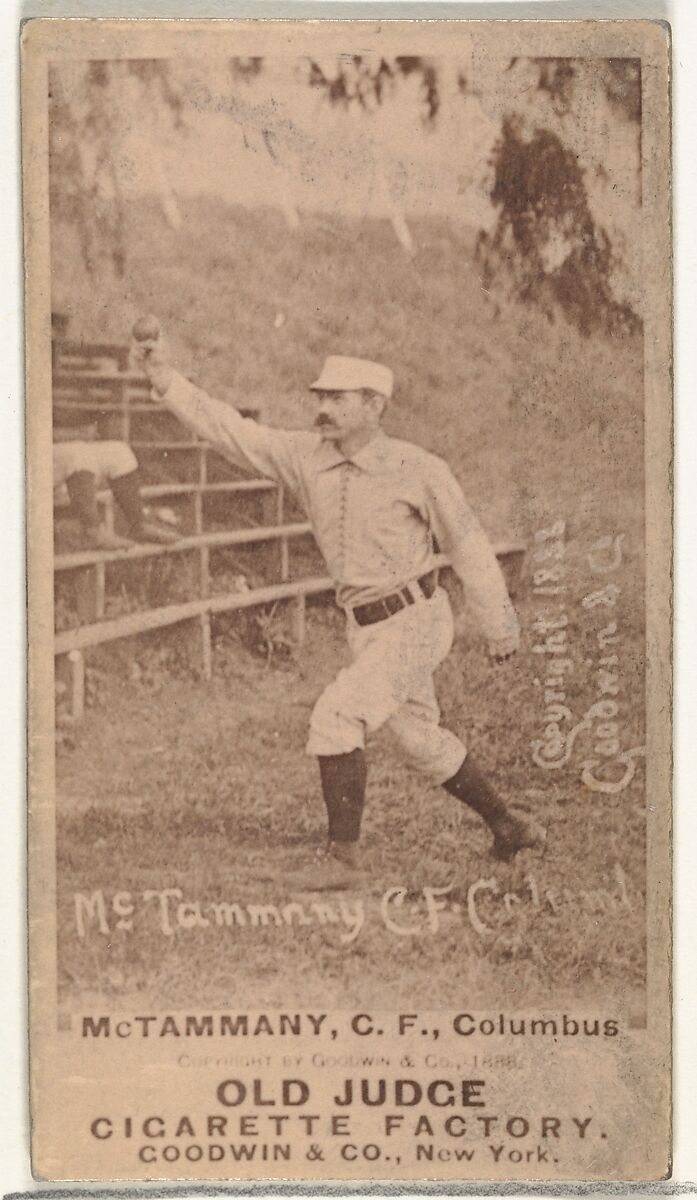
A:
{"points": [[462, 538], [274, 453]]}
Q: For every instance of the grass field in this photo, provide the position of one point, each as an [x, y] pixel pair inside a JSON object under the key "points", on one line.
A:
{"points": [[171, 782]]}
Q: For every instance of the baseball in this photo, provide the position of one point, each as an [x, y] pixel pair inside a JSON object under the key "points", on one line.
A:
{"points": [[146, 329]]}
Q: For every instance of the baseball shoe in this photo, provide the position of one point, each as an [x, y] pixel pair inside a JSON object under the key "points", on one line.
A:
{"points": [[517, 833], [150, 532], [336, 869], [98, 537]]}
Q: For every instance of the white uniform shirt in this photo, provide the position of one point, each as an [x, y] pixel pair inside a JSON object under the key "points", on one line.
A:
{"points": [[374, 516]]}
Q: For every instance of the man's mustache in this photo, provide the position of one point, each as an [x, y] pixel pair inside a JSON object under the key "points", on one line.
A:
{"points": [[326, 422]]}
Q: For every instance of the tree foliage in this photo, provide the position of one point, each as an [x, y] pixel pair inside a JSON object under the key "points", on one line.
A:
{"points": [[367, 83], [620, 80], [545, 239], [85, 129], [547, 244]]}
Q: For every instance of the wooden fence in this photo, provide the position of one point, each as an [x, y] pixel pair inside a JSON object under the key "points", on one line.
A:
{"points": [[197, 613]]}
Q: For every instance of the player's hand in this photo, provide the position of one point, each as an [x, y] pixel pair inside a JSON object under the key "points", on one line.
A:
{"points": [[150, 353], [503, 649]]}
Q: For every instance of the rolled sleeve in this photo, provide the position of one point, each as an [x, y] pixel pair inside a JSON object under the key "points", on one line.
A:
{"points": [[274, 453], [471, 554]]}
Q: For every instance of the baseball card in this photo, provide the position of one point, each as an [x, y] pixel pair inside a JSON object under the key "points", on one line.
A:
{"points": [[349, 350]]}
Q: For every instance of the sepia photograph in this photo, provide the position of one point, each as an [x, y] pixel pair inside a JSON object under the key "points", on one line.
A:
{"points": [[355, 544]]}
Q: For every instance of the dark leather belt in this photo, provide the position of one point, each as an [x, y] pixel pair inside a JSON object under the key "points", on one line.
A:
{"points": [[380, 610]]}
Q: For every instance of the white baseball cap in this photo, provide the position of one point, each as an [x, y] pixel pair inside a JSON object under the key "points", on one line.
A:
{"points": [[340, 374]]}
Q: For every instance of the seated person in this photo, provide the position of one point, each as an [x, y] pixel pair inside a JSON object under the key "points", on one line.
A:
{"points": [[81, 467]]}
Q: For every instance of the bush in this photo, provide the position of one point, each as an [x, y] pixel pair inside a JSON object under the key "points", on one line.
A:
{"points": [[545, 235]]}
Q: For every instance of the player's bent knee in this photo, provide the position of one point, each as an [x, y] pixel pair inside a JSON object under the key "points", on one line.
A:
{"points": [[117, 459], [333, 731], [70, 458], [436, 755]]}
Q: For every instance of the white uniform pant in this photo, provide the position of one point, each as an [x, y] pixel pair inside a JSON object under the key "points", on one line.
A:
{"points": [[105, 460], [390, 682]]}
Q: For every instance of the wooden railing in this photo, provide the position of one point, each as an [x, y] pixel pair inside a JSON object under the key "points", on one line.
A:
{"points": [[111, 398], [89, 356], [90, 565], [195, 493], [197, 613]]}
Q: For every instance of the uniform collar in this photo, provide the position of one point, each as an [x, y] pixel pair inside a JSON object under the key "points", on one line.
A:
{"points": [[370, 458]]}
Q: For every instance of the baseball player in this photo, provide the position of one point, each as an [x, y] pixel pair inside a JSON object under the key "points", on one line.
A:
{"points": [[81, 467], [376, 504]]}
